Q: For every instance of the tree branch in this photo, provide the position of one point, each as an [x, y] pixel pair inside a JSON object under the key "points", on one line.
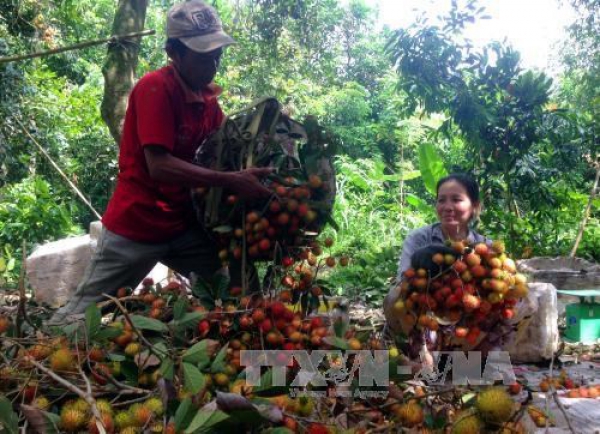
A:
{"points": [[135, 329], [112, 39]]}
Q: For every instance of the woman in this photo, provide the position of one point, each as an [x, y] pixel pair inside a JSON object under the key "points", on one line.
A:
{"points": [[458, 205]]}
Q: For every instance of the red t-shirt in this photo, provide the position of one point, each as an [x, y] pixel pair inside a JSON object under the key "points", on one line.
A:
{"points": [[162, 111]]}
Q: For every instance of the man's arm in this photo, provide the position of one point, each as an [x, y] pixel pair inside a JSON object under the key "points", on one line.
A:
{"points": [[165, 168]]}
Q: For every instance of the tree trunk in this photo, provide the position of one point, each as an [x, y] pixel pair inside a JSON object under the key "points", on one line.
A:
{"points": [[121, 62]]}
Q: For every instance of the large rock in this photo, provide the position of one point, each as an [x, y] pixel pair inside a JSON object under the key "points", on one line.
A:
{"points": [[562, 272], [537, 336], [55, 269]]}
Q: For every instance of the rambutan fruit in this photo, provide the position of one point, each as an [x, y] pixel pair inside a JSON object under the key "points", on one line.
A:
{"points": [[221, 379], [495, 405], [104, 406], [4, 323], [304, 406], [471, 302], [96, 354], [156, 427], [107, 422], [40, 351], [62, 360], [123, 419], [140, 414], [132, 349], [81, 405], [155, 405], [71, 419], [498, 247], [317, 428], [461, 332], [410, 414], [41, 402], [467, 422]]}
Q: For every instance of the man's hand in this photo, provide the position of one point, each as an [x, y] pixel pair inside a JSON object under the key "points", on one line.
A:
{"points": [[246, 183], [423, 258]]}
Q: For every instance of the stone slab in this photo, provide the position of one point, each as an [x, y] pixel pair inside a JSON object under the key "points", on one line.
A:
{"points": [[55, 269], [563, 272]]}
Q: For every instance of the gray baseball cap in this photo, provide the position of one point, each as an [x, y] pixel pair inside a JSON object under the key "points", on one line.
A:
{"points": [[198, 26]]}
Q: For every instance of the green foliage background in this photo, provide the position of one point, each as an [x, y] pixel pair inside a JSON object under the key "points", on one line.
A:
{"points": [[408, 106]]}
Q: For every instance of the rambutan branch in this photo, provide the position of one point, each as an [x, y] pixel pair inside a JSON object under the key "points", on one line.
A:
{"points": [[88, 397], [134, 328]]}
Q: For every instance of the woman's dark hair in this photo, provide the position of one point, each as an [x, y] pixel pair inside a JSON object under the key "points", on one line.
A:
{"points": [[466, 181], [174, 45]]}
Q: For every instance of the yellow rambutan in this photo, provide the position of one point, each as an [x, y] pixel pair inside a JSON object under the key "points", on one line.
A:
{"points": [[495, 405]]}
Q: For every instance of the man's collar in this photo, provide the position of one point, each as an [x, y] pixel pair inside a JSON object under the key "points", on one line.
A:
{"points": [[212, 91]]}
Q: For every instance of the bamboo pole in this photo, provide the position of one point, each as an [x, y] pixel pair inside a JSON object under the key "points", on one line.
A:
{"points": [[62, 174], [112, 39]]}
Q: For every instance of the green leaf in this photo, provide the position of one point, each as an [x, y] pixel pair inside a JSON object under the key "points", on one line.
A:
{"points": [[180, 308], [266, 382], [340, 327], [189, 320], [2, 265], [336, 342], [116, 357], [394, 178], [219, 363], [9, 420], [431, 166], [108, 333], [329, 219], [53, 421], [93, 320], [296, 296], [409, 175], [223, 229], [197, 354], [304, 302], [436, 423], [266, 387], [418, 203], [160, 347], [193, 379], [314, 302], [70, 329], [281, 430], [221, 286], [205, 419], [145, 323], [202, 291], [130, 371], [467, 398], [167, 369], [184, 414]]}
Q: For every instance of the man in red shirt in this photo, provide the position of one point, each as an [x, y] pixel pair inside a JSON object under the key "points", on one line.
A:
{"points": [[150, 217]]}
